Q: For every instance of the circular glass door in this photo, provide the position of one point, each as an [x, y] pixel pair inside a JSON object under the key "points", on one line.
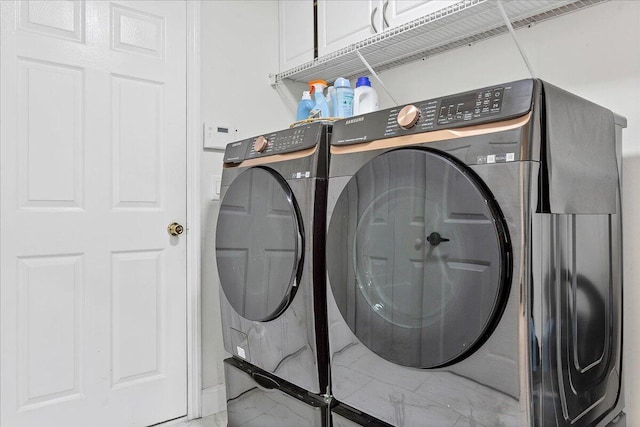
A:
{"points": [[259, 244], [418, 258]]}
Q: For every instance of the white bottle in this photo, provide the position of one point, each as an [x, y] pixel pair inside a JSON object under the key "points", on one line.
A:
{"points": [[365, 98]]}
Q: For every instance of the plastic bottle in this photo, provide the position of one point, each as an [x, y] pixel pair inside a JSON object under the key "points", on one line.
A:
{"points": [[342, 98], [320, 107], [331, 97], [304, 106], [365, 98]]}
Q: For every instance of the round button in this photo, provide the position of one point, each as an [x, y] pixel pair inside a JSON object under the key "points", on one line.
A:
{"points": [[408, 116], [260, 144]]}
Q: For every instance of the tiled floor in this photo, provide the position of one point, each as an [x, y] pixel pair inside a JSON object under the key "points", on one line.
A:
{"points": [[215, 420]]}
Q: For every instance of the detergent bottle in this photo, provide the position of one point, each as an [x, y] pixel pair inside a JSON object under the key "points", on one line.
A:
{"points": [[365, 98], [342, 98], [320, 107], [331, 97], [305, 105]]}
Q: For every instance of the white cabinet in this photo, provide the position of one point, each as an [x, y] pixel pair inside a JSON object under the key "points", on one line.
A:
{"points": [[296, 32], [398, 12], [344, 22], [431, 27]]}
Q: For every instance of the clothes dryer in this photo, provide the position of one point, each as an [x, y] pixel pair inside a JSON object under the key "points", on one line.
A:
{"points": [[270, 254], [474, 260]]}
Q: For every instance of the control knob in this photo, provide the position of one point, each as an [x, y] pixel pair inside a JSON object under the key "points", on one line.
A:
{"points": [[260, 144], [408, 116]]}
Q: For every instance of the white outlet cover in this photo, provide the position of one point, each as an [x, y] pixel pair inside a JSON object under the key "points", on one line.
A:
{"points": [[216, 184]]}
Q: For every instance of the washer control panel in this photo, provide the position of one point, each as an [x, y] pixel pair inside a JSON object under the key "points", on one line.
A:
{"points": [[485, 105], [280, 142], [470, 106]]}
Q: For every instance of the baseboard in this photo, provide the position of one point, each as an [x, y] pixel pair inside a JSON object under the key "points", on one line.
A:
{"points": [[214, 400]]}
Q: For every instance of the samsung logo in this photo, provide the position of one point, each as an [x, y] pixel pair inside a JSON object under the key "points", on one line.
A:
{"points": [[236, 144], [356, 120]]}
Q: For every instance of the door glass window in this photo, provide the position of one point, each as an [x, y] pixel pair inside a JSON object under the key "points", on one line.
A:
{"points": [[258, 244], [417, 257]]}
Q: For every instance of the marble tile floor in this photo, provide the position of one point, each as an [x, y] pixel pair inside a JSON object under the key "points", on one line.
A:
{"points": [[215, 420]]}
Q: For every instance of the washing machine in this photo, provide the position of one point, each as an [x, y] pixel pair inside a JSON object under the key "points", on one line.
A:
{"points": [[270, 254], [474, 261]]}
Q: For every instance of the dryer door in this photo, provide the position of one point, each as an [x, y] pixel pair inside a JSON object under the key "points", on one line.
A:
{"points": [[259, 244], [418, 258]]}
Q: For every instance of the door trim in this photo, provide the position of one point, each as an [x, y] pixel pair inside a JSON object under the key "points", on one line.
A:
{"points": [[194, 133]]}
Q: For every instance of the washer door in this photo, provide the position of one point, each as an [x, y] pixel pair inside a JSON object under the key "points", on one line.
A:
{"points": [[259, 244], [418, 258]]}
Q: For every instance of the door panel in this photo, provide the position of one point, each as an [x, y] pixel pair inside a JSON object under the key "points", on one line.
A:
{"points": [[63, 19], [139, 297], [137, 143], [258, 244], [51, 335], [341, 23], [430, 257], [93, 169], [296, 32], [580, 346], [400, 12], [41, 85]]}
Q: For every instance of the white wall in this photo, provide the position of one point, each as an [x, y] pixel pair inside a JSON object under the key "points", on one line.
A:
{"points": [[594, 53], [239, 49]]}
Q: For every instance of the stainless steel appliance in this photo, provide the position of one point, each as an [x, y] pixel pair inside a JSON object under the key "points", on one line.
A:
{"points": [[270, 254], [474, 260], [256, 398], [345, 416]]}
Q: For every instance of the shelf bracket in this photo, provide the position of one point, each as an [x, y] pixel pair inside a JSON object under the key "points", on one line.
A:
{"points": [[374, 74], [507, 22], [273, 79]]}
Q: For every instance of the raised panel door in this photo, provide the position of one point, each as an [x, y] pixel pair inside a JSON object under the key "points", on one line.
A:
{"points": [[295, 32], [341, 23], [398, 12], [92, 170]]}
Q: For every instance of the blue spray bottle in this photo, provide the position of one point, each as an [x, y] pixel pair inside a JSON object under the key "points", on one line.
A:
{"points": [[321, 107]]}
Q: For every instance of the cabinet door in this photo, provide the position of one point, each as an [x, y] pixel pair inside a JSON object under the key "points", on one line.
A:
{"points": [[296, 32], [398, 12], [341, 23]]}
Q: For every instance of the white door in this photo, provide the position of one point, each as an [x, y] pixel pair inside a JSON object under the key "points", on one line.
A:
{"points": [[344, 22], [93, 169], [398, 12], [295, 32]]}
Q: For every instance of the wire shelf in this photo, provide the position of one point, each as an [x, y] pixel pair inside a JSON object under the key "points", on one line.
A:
{"points": [[461, 24]]}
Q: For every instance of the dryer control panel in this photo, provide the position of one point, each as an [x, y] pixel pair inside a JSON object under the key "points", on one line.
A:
{"points": [[280, 142], [485, 105]]}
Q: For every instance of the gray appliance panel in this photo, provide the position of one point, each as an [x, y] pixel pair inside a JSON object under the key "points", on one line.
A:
{"points": [[480, 106], [430, 254], [489, 387], [578, 336], [343, 416], [555, 356], [291, 345], [255, 399], [285, 346], [258, 244], [279, 142], [338, 420], [573, 138], [505, 146], [579, 155]]}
